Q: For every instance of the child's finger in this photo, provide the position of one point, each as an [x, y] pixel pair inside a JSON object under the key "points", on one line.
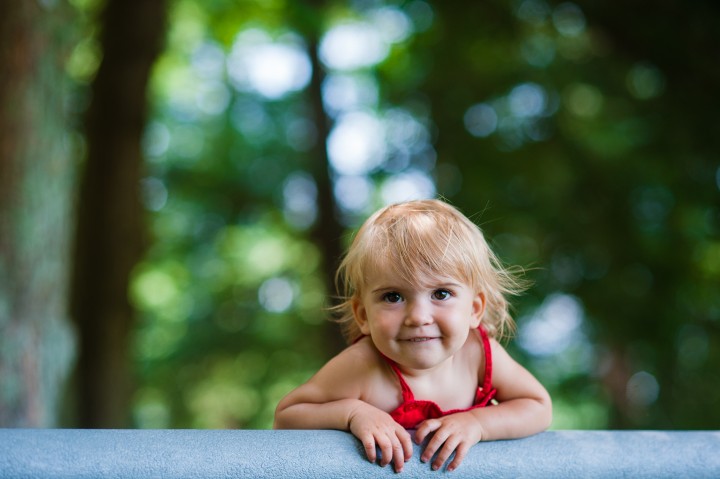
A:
{"points": [[460, 454], [436, 441], [386, 449], [398, 457], [425, 428], [406, 443], [445, 451], [369, 446]]}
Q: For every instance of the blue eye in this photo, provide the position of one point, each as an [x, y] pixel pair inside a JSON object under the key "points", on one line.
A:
{"points": [[392, 297], [441, 294]]}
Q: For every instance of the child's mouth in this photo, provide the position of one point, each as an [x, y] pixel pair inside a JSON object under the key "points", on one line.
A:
{"points": [[419, 340]]}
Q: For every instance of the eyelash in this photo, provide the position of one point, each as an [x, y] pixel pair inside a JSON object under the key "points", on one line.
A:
{"points": [[397, 297], [386, 297]]}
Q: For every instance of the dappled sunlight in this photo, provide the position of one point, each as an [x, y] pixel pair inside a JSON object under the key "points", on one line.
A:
{"points": [[408, 138], [642, 389], [160, 292], [255, 253], [356, 144], [554, 327], [535, 12], [276, 295], [156, 141], [568, 19], [154, 194], [151, 409], [272, 69], [351, 46], [186, 143], [84, 59], [208, 61], [392, 23], [160, 288], [583, 100], [539, 50], [410, 185], [213, 97], [527, 100], [421, 13], [221, 402], [481, 120], [212, 94], [343, 93], [516, 118], [251, 119], [554, 337], [354, 192], [300, 200], [555, 32], [396, 142]]}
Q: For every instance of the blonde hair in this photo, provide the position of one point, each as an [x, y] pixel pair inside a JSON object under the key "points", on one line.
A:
{"points": [[423, 239]]}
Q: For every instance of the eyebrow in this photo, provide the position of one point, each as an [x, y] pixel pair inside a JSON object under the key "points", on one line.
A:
{"points": [[434, 286], [385, 288]]}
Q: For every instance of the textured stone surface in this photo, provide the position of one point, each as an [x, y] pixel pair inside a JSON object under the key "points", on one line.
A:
{"points": [[60, 453]]}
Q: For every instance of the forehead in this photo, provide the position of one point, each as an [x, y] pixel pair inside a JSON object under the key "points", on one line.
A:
{"points": [[383, 275]]}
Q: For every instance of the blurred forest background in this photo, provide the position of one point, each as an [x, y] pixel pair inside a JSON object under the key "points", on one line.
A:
{"points": [[179, 177]]}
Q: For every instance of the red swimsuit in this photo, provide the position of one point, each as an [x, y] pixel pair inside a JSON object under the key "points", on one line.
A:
{"points": [[411, 412]]}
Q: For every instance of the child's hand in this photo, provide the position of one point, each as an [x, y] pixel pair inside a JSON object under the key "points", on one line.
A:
{"points": [[457, 432], [374, 427]]}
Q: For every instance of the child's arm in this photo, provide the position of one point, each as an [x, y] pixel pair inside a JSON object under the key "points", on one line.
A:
{"points": [[331, 400], [524, 409]]}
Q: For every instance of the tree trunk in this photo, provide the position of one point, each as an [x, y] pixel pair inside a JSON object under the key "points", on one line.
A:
{"points": [[36, 185], [327, 233], [109, 235]]}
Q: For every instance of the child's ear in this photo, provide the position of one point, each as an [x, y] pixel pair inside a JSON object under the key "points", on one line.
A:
{"points": [[360, 315], [478, 309]]}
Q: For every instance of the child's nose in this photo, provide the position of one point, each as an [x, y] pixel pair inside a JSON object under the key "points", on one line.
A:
{"points": [[417, 314]]}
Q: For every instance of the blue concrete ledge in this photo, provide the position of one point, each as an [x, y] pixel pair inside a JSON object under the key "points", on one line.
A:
{"points": [[97, 454]]}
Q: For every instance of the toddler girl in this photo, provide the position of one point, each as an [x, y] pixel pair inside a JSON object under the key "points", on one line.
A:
{"points": [[425, 300]]}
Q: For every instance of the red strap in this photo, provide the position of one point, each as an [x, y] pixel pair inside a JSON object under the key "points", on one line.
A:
{"points": [[407, 393], [487, 381]]}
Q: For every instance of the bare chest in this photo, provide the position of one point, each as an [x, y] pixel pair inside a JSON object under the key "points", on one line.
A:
{"points": [[456, 391]]}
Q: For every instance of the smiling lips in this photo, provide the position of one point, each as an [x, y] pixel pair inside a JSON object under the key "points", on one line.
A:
{"points": [[419, 339]]}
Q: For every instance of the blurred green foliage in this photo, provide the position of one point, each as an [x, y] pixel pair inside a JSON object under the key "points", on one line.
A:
{"points": [[585, 147]]}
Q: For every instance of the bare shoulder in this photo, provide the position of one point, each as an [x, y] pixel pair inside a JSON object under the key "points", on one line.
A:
{"points": [[511, 378], [360, 358], [501, 359], [474, 352], [362, 349], [347, 375]]}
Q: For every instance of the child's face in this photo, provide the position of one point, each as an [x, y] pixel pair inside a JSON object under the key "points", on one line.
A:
{"points": [[418, 327]]}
